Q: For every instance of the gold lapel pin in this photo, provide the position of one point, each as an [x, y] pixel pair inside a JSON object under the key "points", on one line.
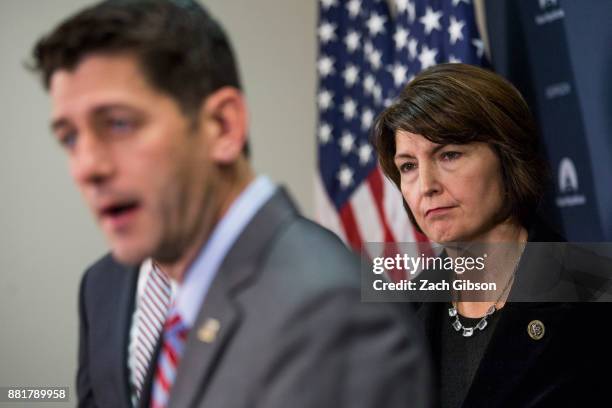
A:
{"points": [[536, 329], [208, 330]]}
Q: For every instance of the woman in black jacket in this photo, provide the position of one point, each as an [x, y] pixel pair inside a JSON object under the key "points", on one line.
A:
{"points": [[461, 145]]}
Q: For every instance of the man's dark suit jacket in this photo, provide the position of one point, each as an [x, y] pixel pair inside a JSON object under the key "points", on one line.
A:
{"points": [[293, 331], [564, 368]]}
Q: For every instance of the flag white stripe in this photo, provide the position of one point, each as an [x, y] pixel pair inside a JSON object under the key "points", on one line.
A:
{"points": [[367, 216], [397, 219]]}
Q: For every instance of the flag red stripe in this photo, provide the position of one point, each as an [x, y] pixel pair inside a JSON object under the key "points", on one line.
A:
{"points": [[375, 182], [351, 229]]}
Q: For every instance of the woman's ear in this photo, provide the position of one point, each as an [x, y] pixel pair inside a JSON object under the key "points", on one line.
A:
{"points": [[225, 120]]}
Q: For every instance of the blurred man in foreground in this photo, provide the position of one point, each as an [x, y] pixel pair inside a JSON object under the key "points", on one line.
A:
{"points": [[147, 105]]}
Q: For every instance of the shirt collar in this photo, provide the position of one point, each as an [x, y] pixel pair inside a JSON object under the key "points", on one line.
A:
{"points": [[200, 275]]}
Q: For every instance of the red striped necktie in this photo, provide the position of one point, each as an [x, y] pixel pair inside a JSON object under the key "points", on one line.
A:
{"points": [[152, 310], [175, 334]]}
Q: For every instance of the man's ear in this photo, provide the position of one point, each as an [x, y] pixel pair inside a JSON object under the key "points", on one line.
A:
{"points": [[225, 119]]}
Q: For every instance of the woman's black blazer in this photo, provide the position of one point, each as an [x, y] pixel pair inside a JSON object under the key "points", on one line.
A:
{"points": [[571, 365]]}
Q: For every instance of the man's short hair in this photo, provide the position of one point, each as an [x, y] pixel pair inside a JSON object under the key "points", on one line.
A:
{"points": [[181, 49]]}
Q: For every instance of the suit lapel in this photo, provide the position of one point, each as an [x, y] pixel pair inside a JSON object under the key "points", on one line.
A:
{"points": [[113, 336], [126, 323], [430, 314], [512, 351], [219, 317]]}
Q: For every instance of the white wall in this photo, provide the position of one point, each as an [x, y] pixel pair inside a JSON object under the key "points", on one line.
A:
{"points": [[47, 237]]}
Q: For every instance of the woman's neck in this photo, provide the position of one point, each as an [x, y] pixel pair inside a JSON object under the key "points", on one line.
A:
{"points": [[503, 247]]}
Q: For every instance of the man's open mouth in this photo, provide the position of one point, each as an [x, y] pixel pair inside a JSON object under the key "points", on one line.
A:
{"points": [[117, 210]]}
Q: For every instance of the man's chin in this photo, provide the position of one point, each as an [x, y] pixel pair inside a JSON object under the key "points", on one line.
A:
{"points": [[129, 256]]}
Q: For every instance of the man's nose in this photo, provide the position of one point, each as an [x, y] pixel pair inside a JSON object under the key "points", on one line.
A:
{"points": [[92, 161]]}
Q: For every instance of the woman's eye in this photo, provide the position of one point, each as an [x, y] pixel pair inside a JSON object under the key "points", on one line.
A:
{"points": [[450, 155], [406, 167]]}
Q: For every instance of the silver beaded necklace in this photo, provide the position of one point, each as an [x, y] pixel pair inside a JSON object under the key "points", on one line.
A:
{"points": [[482, 323]]}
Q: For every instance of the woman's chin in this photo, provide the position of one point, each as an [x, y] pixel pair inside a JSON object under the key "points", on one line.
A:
{"points": [[442, 236]]}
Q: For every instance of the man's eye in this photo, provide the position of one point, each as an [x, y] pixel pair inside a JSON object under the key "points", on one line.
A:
{"points": [[451, 155], [406, 167], [120, 125], [68, 140]]}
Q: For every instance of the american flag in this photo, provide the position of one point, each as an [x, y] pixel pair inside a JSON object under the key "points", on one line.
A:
{"points": [[368, 51]]}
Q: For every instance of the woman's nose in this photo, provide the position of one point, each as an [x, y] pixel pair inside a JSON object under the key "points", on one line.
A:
{"points": [[428, 180]]}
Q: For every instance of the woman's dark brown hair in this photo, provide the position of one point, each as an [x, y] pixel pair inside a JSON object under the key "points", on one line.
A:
{"points": [[459, 104]]}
